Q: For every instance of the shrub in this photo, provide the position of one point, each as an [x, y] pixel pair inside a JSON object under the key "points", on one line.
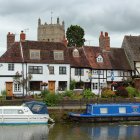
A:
{"points": [[107, 93], [132, 92], [88, 94], [44, 93], [52, 99], [67, 93], [122, 92], [72, 84]]}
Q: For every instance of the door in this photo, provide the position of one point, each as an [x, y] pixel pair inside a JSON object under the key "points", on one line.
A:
{"points": [[51, 86], [9, 88]]}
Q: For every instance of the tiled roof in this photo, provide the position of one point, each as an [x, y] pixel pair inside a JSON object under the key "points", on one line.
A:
{"points": [[113, 59], [133, 46], [80, 61], [12, 54]]}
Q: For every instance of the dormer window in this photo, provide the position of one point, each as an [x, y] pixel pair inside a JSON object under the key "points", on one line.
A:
{"points": [[75, 53], [58, 55], [35, 54], [99, 59]]}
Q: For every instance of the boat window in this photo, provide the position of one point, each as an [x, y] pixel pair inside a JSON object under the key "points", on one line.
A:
{"points": [[103, 110], [0, 111], [37, 108], [20, 112], [122, 110], [13, 111]]}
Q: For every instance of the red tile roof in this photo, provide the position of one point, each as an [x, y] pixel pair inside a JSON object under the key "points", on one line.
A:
{"points": [[113, 59]]}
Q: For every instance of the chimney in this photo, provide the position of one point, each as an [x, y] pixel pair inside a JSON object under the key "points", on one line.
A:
{"points": [[101, 40], [107, 42], [10, 40], [22, 36], [104, 41]]}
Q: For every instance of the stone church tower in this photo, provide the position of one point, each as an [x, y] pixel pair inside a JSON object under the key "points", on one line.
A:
{"points": [[51, 32]]}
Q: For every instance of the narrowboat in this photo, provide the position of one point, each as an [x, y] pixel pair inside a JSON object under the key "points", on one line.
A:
{"points": [[28, 113], [108, 113]]}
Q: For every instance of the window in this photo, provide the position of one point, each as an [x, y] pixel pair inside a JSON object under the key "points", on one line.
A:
{"points": [[79, 72], [35, 54], [122, 110], [95, 72], [102, 85], [13, 111], [62, 70], [11, 67], [75, 53], [120, 73], [0, 111], [99, 58], [62, 85], [35, 85], [35, 69], [17, 87], [58, 55], [51, 69], [95, 85], [103, 110]]}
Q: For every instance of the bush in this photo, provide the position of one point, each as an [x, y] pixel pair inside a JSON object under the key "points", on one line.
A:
{"points": [[88, 94], [107, 93], [122, 92], [52, 99], [132, 92], [3, 93], [72, 84], [67, 93], [44, 93]]}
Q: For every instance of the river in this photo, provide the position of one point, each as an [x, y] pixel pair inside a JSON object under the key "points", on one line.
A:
{"points": [[71, 131]]}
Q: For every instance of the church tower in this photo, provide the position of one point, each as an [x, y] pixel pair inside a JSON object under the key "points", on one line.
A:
{"points": [[51, 32]]}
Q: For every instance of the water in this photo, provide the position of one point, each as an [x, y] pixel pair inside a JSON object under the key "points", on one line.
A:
{"points": [[71, 131]]}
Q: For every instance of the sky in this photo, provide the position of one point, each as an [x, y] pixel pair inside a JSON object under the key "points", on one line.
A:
{"points": [[117, 17]]}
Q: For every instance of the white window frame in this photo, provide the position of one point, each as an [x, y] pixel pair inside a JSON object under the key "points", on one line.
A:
{"points": [[122, 110], [11, 67], [58, 55], [99, 59], [35, 54], [95, 86], [17, 87], [75, 53], [104, 110]]}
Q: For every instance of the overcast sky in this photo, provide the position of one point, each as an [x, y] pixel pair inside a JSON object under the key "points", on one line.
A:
{"points": [[117, 17]]}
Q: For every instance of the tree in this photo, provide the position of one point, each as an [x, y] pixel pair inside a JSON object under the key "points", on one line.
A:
{"points": [[75, 36]]}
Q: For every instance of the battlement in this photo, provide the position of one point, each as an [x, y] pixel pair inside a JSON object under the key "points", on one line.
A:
{"points": [[51, 32]]}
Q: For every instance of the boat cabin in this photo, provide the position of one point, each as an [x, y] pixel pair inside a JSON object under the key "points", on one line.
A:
{"points": [[37, 107], [113, 109]]}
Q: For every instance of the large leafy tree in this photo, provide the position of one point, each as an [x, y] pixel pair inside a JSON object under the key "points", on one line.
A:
{"points": [[75, 36]]}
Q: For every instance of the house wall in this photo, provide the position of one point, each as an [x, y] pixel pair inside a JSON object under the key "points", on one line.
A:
{"points": [[7, 76]]}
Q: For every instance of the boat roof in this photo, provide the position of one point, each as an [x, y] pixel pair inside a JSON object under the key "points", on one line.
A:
{"points": [[37, 107], [114, 104]]}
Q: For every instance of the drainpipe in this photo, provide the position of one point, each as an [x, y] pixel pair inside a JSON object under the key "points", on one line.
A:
{"points": [[22, 66]]}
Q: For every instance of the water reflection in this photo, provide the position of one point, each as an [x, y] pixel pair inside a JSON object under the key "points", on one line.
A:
{"points": [[24, 132], [94, 132], [70, 131]]}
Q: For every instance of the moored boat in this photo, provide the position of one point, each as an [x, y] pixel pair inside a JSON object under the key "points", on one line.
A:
{"points": [[108, 113], [28, 113]]}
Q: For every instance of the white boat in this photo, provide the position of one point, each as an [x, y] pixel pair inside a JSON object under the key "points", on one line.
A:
{"points": [[28, 113]]}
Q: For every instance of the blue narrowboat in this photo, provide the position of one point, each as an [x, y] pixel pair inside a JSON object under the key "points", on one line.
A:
{"points": [[109, 113]]}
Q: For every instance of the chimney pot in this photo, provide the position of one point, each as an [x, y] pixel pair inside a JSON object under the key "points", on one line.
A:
{"points": [[22, 36], [106, 33]]}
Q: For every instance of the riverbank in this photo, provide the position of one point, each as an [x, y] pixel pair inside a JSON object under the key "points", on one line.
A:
{"points": [[60, 114]]}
